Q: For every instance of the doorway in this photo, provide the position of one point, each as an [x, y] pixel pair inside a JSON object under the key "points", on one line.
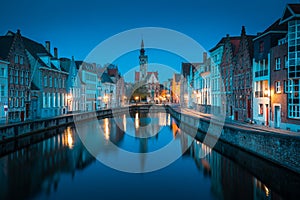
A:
{"points": [[236, 115], [277, 116]]}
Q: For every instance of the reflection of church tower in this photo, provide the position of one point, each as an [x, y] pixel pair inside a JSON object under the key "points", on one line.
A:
{"points": [[143, 62]]}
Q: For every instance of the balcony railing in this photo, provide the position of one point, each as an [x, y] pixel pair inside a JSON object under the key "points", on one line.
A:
{"points": [[261, 73]]}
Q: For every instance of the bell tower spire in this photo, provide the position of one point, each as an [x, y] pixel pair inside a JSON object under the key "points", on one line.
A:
{"points": [[143, 62]]}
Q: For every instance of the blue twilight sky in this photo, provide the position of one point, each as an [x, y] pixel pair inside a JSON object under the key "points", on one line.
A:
{"points": [[77, 27]]}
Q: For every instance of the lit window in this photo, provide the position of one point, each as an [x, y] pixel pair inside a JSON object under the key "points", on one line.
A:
{"points": [[277, 60], [277, 87]]}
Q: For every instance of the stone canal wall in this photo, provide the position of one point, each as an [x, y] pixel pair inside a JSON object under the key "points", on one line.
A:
{"points": [[13, 131], [282, 149]]}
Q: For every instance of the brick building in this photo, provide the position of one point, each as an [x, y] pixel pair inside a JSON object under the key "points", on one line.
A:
{"points": [[242, 78], [278, 80], [13, 51], [231, 46], [261, 71]]}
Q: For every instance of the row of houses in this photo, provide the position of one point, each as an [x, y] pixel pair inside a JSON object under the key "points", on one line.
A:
{"points": [[252, 78], [37, 84]]}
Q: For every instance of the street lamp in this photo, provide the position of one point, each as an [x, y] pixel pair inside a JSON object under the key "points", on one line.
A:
{"points": [[136, 99]]}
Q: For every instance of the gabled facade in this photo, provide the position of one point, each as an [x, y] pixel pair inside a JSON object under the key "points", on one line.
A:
{"points": [[118, 80], [88, 76], [231, 46], [48, 78], [73, 85], [186, 82], [13, 51], [201, 93], [216, 79], [242, 78]]}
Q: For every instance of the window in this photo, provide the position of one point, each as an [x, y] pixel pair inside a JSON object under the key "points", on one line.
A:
{"points": [[21, 60], [2, 72], [45, 81], [261, 110], [277, 60], [17, 102], [277, 87], [261, 47], [2, 91], [17, 77], [50, 81], [16, 59], [55, 82], [285, 62], [294, 111], [44, 100], [22, 77]]}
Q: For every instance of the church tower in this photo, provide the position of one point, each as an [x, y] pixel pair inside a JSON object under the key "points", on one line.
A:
{"points": [[143, 62]]}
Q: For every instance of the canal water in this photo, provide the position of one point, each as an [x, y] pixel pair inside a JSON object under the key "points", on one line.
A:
{"points": [[61, 167]]}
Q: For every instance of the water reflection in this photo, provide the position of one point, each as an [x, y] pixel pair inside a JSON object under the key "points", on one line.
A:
{"points": [[39, 168], [49, 168]]}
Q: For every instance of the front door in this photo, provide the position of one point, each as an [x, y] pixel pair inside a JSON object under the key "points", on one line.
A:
{"points": [[236, 115], [249, 108], [22, 116], [277, 116]]}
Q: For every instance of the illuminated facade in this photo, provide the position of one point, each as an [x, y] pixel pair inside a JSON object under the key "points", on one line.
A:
{"points": [[262, 71]]}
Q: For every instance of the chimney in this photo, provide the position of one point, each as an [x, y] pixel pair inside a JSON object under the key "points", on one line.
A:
{"points": [[47, 45], [204, 56], [243, 30], [55, 53]]}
